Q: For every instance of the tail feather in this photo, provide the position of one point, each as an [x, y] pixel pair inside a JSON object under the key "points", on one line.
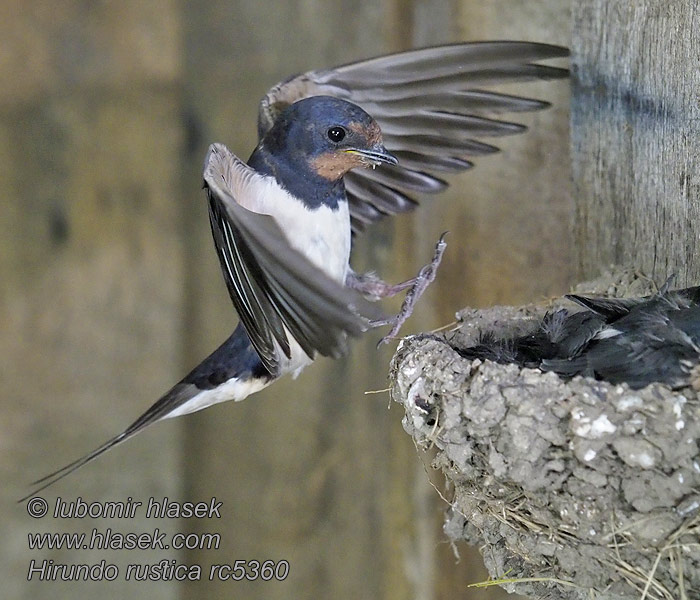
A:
{"points": [[231, 372], [59, 474], [177, 395]]}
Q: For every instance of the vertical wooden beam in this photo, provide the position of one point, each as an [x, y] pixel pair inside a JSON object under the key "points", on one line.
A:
{"points": [[91, 263], [515, 217], [636, 126]]}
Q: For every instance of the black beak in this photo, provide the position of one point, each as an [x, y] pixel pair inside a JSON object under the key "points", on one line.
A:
{"points": [[376, 156]]}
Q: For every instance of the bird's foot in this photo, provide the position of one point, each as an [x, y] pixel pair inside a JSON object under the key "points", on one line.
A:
{"points": [[417, 285], [373, 288]]}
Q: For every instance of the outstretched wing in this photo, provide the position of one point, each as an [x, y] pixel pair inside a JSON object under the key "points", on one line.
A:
{"points": [[430, 106], [276, 290]]}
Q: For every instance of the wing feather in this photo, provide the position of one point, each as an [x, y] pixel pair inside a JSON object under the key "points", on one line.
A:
{"points": [[430, 107], [275, 289]]}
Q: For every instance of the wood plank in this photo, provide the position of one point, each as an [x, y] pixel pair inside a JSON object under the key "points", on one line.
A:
{"points": [[92, 264], [636, 123]]}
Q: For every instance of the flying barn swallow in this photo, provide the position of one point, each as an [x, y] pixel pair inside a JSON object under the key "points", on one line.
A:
{"points": [[283, 222]]}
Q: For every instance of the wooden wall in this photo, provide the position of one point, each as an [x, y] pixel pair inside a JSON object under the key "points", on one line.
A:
{"points": [[636, 126], [92, 262], [111, 289]]}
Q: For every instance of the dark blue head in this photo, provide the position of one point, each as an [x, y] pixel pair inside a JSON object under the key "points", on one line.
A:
{"points": [[328, 136]]}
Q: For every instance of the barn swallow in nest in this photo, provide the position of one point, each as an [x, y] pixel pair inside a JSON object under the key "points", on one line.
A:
{"points": [[637, 341], [283, 222]]}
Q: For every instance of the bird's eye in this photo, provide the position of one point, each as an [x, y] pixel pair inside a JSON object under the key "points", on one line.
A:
{"points": [[336, 134]]}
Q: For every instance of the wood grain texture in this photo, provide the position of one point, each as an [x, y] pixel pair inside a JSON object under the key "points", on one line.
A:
{"points": [[514, 219], [92, 264], [636, 126]]}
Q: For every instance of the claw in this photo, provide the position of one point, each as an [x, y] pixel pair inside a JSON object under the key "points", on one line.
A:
{"points": [[420, 283]]}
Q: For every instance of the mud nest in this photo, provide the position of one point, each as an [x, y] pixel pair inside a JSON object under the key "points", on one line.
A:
{"points": [[571, 489]]}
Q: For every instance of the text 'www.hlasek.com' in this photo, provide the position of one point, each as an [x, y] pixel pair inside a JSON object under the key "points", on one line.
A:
{"points": [[114, 538]]}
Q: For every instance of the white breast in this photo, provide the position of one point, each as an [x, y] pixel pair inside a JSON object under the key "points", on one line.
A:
{"points": [[322, 234]]}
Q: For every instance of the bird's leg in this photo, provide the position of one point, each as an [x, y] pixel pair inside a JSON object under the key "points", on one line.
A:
{"points": [[375, 289]]}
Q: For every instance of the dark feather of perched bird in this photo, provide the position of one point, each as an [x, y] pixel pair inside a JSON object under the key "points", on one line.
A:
{"points": [[636, 341]]}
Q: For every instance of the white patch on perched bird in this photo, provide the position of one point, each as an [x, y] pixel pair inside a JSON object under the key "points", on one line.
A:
{"points": [[606, 333]]}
